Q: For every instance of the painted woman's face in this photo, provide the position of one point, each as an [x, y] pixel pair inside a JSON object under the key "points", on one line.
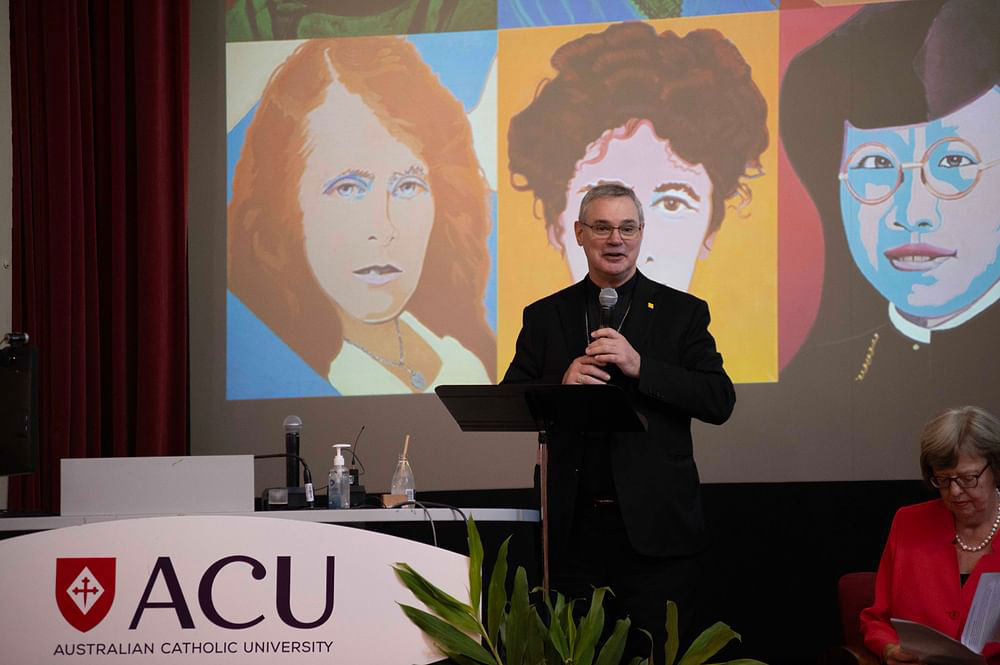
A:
{"points": [[676, 197], [367, 209], [921, 208]]}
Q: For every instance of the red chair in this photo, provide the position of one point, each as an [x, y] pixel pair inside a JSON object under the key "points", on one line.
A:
{"points": [[855, 592]]}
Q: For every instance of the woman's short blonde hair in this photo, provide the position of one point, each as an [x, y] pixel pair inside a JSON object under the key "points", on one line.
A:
{"points": [[967, 429]]}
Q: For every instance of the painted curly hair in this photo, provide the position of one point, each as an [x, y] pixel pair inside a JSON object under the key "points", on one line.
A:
{"points": [[696, 91]]}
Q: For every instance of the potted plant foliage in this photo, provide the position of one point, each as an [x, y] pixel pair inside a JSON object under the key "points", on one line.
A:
{"points": [[516, 633]]}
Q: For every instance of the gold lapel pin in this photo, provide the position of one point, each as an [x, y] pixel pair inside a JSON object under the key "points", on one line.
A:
{"points": [[649, 305]]}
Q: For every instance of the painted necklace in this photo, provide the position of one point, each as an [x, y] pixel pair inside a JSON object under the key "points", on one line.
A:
{"points": [[417, 379]]}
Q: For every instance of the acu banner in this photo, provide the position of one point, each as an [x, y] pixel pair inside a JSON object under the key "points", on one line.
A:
{"points": [[215, 590]]}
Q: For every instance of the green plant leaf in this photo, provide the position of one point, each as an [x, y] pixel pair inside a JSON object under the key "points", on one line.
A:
{"points": [[409, 576], [742, 661], [651, 660], [461, 660], [437, 601], [551, 655], [708, 643], [591, 627], [475, 565], [557, 636], [673, 639], [449, 639], [570, 626], [639, 661], [517, 619], [497, 594], [614, 648], [536, 642], [546, 598]]}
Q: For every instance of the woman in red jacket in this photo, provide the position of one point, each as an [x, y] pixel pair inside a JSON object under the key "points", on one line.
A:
{"points": [[937, 550]]}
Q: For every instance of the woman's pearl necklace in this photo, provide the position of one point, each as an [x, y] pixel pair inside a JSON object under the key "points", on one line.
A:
{"points": [[993, 531]]}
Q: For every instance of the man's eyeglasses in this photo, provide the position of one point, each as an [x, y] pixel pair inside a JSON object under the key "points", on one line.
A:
{"points": [[949, 169], [965, 481], [627, 231]]}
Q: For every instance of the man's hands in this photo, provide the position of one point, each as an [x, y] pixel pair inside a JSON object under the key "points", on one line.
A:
{"points": [[609, 347], [585, 370]]}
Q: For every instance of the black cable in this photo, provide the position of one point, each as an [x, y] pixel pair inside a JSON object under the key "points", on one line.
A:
{"points": [[358, 458], [354, 452], [305, 467], [423, 506], [427, 513], [434, 504]]}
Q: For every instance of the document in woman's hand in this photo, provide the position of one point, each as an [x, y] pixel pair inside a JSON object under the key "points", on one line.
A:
{"points": [[981, 626]]}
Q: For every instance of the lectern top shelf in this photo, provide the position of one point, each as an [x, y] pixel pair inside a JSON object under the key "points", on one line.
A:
{"points": [[535, 408]]}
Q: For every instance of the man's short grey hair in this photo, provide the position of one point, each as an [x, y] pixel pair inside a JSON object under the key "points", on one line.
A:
{"points": [[609, 191]]}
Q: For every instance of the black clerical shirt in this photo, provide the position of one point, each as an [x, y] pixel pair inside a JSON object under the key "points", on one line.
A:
{"points": [[596, 480]]}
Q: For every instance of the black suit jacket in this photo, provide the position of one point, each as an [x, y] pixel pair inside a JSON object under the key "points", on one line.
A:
{"points": [[680, 377]]}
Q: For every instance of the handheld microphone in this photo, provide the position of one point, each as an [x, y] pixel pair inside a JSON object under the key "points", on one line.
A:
{"points": [[293, 426], [607, 298]]}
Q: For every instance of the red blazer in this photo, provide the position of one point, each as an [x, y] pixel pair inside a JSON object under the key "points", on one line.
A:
{"points": [[918, 577]]}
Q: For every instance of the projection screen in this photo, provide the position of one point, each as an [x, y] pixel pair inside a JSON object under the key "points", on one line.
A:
{"points": [[377, 194]]}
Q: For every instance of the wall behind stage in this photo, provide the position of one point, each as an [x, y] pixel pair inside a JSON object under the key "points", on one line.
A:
{"points": [[851, 301]]}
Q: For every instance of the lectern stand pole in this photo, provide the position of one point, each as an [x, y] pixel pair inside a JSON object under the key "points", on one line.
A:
{"points": [[546, 409], [543, 473]]}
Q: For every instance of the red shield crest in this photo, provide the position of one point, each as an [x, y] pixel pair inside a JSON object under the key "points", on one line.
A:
{"points": [[85, 590]]}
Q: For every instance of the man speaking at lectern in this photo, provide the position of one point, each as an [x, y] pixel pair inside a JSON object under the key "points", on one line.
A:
{"points": [[625, 509]]}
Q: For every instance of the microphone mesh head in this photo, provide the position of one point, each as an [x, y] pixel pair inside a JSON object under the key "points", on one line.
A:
{"points": [[608, 298], [292, 424]]}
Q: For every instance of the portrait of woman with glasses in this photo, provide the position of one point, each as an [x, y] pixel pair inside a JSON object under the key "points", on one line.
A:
{"points": [[891, 124], [889, 121], [937, 551]]}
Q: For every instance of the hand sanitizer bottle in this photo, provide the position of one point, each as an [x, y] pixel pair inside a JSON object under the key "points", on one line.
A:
{"points": [[339, 483]]}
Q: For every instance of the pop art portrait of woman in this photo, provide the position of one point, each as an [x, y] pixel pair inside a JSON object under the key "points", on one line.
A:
{"points": [[679, 118], [359, 220], [898, 148], [889, 121]]}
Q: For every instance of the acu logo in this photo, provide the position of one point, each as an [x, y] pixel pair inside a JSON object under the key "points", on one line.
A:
{"points": [[164, 569], [85, 590]]}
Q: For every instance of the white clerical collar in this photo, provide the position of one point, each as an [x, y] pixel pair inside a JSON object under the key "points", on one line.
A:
{"points": [[923, 335]]}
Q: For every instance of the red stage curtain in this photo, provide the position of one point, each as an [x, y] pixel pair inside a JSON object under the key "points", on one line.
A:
{"points": [[99, 97]]}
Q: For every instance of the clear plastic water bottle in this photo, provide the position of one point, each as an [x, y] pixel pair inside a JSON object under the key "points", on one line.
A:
{"points": [[402, 479]]}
